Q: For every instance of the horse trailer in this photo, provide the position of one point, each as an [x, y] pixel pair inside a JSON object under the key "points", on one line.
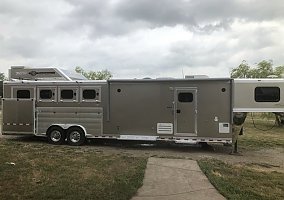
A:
{"points": [[62, 106]]}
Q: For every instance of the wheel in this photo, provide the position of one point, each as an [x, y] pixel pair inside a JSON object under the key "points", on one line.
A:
{"points": [[56, 135], [75, 136]]}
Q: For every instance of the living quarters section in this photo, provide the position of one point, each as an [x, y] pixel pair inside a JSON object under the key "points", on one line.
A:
{"points": [[214, 109], [171, 109], [137, 107]]}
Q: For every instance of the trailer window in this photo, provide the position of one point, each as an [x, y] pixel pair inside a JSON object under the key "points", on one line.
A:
{"points": [[89, 94], [23, 94], [267, 94], [45, 94], [185, 97], [67, 94]]}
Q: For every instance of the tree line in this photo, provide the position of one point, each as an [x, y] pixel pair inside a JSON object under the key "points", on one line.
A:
{"points": [[263, 69]]}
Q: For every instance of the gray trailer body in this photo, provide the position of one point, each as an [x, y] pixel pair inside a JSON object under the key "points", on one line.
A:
{"points": [[258, 95], [179, 110]]}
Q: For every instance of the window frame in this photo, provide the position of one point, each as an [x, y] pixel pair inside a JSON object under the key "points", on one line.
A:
{"points": [[98, 93], [75, 90], [14, 90], [93, 94], [267, 101], [53, 90], [67, 93]]}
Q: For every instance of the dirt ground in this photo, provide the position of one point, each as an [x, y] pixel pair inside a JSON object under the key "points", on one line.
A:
{"points": [[262, 159]]}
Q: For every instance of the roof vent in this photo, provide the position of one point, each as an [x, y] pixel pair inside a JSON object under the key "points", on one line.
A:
{"points": [[195, 76]]}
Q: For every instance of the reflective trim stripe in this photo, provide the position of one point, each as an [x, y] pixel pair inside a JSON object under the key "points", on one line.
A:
{"points": [[15, 124]]}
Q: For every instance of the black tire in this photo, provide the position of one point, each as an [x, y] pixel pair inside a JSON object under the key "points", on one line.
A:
{"points": [[56, 135], [75, 136]]}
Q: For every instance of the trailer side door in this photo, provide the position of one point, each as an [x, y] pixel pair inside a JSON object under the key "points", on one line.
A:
{"points": [[185, 111], [18, 116]]}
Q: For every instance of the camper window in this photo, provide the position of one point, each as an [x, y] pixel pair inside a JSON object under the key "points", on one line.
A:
{"points": [[185, 97], [23, 94], [45, 94], [267, 94], [67, 94], [89, 94]]}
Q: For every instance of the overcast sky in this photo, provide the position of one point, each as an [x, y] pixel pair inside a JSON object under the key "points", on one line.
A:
{"points": [[141, 38]]}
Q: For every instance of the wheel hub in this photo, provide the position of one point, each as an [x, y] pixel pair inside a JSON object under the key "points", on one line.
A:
{"points": [[75, 136], [55, 136]]}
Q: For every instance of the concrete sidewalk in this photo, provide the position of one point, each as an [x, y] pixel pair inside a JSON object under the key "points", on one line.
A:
{"points": [[175, 179]]}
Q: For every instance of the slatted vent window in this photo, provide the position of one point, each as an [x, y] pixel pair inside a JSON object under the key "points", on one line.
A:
{"points": [[23, 94], [267, 94], [89, 94], [67, 94], [45, 94]]}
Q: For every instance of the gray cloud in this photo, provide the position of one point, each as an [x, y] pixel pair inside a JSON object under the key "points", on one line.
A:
{"points": [[21, 46], [110, 18], [142, 37]]}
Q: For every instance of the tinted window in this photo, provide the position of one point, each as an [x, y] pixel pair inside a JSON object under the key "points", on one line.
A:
{"points": [[185, 97], [23, 94], [267, 94], [89, 94], [67, 94], [45, 94]]}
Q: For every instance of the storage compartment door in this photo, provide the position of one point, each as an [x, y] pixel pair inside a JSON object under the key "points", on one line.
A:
{"points": [[18, 116]]}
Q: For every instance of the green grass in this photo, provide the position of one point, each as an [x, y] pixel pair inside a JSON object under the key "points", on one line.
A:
{"points": [[251, 180], [254, 138], [43, 171], [243, 181]]}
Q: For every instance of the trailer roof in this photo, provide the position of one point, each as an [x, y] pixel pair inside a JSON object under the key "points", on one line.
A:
{"points": [[170, 80], [118, 80], [16, 82], [254, 80], [268, 80]]}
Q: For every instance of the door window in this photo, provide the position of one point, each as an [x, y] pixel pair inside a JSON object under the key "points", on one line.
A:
{"points": [[185, 97]]}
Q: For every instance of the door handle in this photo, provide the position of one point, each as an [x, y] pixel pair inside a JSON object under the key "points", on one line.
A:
{"points": [[178, 110]]}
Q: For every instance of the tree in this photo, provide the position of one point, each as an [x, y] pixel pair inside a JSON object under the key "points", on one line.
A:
{"points": [[94, 75], [3, 77], [263, 69], [279, 71], [242, 71]]}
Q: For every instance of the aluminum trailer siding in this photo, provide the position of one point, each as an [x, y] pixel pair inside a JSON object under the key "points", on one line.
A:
{"points": [[180, 110]]}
